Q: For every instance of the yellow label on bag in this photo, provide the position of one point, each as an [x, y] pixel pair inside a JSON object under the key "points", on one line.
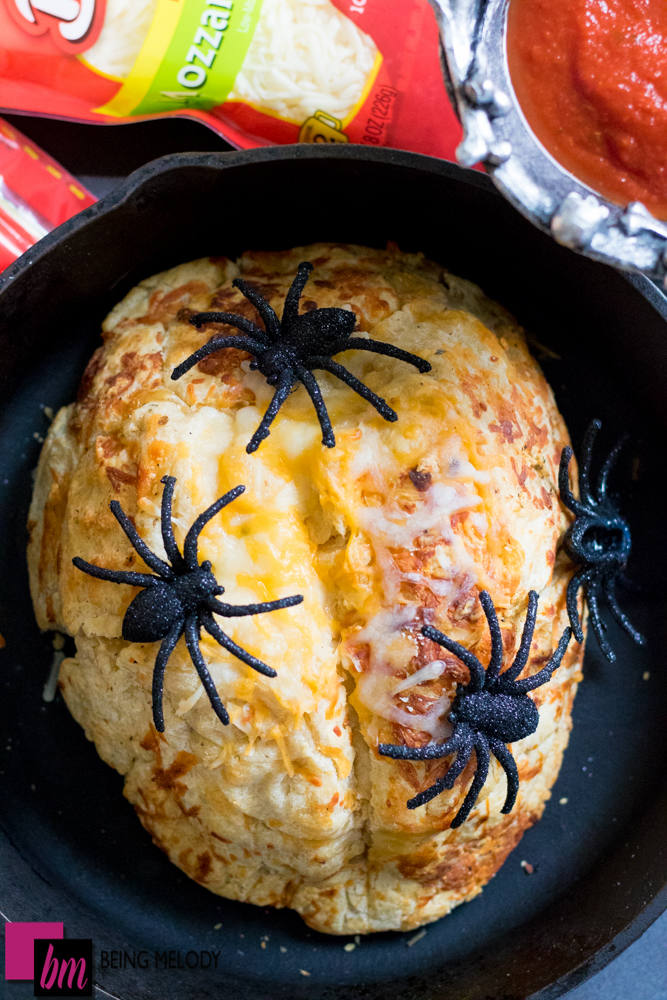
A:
{"points": [[190, 58]]}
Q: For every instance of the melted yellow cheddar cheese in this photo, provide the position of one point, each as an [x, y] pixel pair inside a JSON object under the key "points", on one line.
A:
{"points": [[399, 525]]}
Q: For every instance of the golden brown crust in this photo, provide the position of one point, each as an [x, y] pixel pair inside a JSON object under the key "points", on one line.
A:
{"points": [[399, 525]]}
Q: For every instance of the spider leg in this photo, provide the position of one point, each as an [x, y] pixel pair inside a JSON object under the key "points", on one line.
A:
{"points": [[521, 658], [190, 554], [607, 467], [280, 395], [620, 616], [291, 307], [585, 465], [508, 764], [463, 756], [442, 784], [447, 780], [543, 675], [265, 310], [116, 575], [577, 532], [592, 594], [158, 565], [398, 751], [313, 391], [192, 642], [231, 319], [248, 344], [566, 494], [223, 640], [578, 580], [481, 773], [496, 660], [241, 610], [380, 347], [477, 674], [429, 793], [362, 390], [166, 649], [168, 540]]}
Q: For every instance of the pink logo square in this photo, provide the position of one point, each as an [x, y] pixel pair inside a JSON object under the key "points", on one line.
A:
{"points": [[19, 947]]}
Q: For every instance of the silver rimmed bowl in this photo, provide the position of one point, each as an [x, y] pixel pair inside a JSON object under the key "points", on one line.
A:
{"points": [[496, 134]]}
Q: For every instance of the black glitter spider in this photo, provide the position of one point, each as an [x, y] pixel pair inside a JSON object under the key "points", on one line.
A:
{"points": [[289, 350], [181, 599], [491, 710], [598, 540]]}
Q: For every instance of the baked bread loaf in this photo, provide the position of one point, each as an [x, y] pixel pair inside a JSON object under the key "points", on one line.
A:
{"points": [[399, 525]]}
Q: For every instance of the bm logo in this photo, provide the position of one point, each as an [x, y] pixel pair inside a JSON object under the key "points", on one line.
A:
{"points": [[63, 968], [58, 966]]}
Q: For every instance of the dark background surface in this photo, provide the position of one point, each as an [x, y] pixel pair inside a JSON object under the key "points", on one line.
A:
{"points": [[100, 155]]}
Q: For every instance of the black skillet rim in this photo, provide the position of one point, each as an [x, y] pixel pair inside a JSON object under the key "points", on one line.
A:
{"points": [[655, 902], [162, 164]]}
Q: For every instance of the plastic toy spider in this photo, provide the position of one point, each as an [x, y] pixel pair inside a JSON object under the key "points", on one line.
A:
{"points": [[180, 599], [289, 350], [493, 709], [598, 540]]}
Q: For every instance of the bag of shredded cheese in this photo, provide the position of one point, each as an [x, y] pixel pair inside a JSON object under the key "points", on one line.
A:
{"points": [[36, 194], [257, 71]]}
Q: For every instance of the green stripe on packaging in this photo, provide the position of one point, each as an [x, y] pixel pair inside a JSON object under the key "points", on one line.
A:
{"points": [[205, 54]]}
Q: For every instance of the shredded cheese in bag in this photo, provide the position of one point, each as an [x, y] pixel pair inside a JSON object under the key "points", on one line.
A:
{"points": [[257, 71]]}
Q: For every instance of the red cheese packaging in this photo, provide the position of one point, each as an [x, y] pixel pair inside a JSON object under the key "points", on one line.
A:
{"points": [[36, 194], [258, 72]]}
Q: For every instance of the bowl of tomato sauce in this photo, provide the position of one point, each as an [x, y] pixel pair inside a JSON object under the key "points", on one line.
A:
{"points": [[564, 102]]}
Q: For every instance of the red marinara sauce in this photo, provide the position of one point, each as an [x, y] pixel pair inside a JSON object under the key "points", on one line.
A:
{"points": [[591, 78]]}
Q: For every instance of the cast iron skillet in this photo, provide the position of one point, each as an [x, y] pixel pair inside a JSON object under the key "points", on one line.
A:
{"points": [[72, 849]]}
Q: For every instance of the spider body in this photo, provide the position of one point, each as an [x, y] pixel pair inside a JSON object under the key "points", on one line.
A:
{"points": [[154, 611], [506, 717], [598, 541], [493, 709], [180, 598], [288, 350]]}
